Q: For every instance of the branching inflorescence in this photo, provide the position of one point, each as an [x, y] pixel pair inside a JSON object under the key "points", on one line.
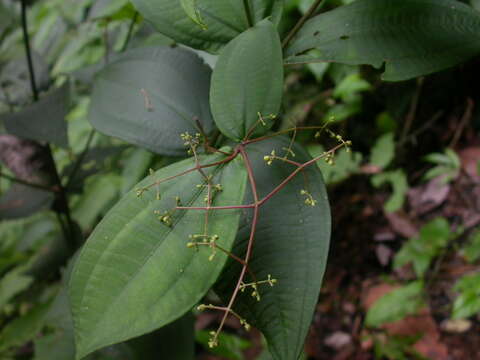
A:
{"points": [[208, 240]]}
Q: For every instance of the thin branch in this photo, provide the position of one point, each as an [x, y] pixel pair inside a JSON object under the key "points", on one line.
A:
{"points": [[467, 116], [26, 41], [130, 32], [61, 196], [413, 110], [246, 5], [251, 240], [279, 187], [106, 43], [318, 4], [80, 159]]}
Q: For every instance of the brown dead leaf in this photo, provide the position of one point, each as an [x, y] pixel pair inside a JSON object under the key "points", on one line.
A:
{"points": [[375, 292], [338, 340], [456, 325], [401, 224], [384, 254], [422, 323], [470, 158], [427, 197]]}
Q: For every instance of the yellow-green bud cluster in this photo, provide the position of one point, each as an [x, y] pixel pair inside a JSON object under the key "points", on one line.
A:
{"points": [[309, 200], [269, 158]]}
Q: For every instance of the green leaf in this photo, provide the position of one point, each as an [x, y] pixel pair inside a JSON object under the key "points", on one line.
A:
{"points": [[135, 272], [174, 341], [351, 85], [23, 329], [96, 160], [420, 250], [468, 301], [44, 120], [223, 20], [12, 283], [100, 192], [448, 166], [345, 164], [15, 78], [411, 37], [383, 151], [149, 96], [398, 180], [248, 81], [396, 304], [229, 346], [292, 241], [135, 167], [471, 251], [106, 8], [191, 9]]}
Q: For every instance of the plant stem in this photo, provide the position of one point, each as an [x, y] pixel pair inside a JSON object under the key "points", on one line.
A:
{"points": [[286, 131], [251, 239], [248, 12], [226, 160], [299, 168], [130, 32], [26, 40], [106, 43], [61, 206], [318, 4], [80, 159]]}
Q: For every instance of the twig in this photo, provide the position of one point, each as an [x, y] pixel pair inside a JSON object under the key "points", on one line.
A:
{"points": [[106, 43], [318, 4], [80, 159], [413, 110], [467, 116], [26, 41], [61, 196], [246, 5], [251, 241], [130, 32], [273, 192], [420, 130]]}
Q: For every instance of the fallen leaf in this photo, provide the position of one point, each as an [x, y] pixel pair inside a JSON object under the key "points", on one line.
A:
{"points": [[401, 224], [456, 325], [470, 158], [338, 340], [425, 198], [384, 254]]}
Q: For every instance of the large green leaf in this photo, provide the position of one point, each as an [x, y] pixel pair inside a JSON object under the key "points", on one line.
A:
{"points": [[248, 81], [135, 273], [43, 120], [190, 8], [149, 96], [291, 245], [59, 344], [223, 20], [411, 37]]}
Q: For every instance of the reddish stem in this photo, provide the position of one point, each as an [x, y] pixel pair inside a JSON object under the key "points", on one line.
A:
{"points": [[197, 167], [259, 203], [251, 239]]}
